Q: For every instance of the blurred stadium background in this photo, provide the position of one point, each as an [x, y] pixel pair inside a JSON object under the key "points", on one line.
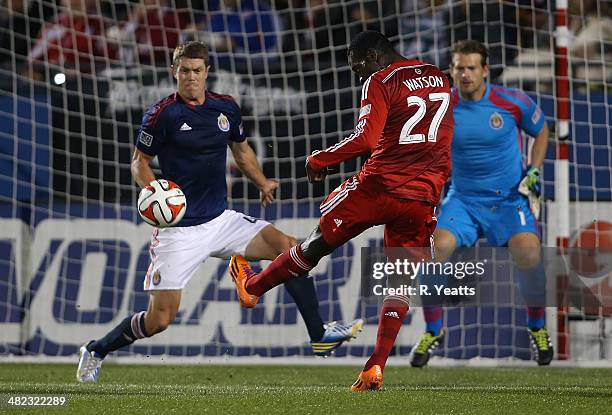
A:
{"points": [[76, 75]]}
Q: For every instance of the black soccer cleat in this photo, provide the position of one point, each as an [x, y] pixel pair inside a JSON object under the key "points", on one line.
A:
{"points": [[542, 346], [425, 347]]}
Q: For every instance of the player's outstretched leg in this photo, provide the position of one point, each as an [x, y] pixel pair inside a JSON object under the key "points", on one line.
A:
{"points": [[290, 267], [392, 314], [250, 285], [245, 279], [431, 339]]}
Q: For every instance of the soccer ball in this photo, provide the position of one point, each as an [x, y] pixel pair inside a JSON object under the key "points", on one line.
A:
{"points": [[162, 203]]}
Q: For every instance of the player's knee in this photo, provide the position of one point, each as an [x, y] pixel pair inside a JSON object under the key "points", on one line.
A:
{"points": [[525, 249], [157, 327], [527, 258], [158, 322], [444, 243], [285, 244], [278, 241]]}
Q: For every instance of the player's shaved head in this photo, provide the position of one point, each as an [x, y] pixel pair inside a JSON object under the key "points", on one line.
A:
{"points": [[370, 39], [466, 47], [192, 50], [369, 52]]}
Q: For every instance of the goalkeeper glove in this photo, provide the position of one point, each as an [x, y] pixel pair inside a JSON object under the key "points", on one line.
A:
{"points": [[531, 187], [532, 180]]}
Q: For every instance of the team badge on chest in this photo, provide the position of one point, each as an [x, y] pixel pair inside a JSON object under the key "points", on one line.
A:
{"points": [[496, 121], [223, 123]]}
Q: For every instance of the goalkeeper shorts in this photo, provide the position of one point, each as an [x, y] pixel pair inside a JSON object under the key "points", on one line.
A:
{"points": [[469, 218]]}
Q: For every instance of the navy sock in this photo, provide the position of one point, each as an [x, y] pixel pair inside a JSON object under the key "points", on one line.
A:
{"points": [[126, 333], [303, 291]]}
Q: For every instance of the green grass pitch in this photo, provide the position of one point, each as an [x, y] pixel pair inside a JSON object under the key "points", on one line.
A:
{"points": [[324, 389]]}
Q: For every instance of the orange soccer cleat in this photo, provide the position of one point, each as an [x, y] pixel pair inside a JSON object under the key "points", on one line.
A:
{"points": [[368, 380], [241, 271]]}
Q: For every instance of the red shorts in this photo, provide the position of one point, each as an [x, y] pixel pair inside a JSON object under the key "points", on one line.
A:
{"points": [[352, 208]]}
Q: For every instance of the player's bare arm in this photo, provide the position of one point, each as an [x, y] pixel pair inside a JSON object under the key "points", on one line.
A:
{"points": [[538, 151], [141, 168], [247, 163]]}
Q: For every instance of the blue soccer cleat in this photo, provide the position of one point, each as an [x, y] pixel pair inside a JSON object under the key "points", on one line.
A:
{"points": [[336, 333], [89, 365]]}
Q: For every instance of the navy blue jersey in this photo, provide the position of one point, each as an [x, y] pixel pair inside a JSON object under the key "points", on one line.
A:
{"points": [[190, 142]]}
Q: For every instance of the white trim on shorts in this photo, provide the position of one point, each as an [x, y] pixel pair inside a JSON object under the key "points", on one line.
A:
{"points": [[328, 206]]}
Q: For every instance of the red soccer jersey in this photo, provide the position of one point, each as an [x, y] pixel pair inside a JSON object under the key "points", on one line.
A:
{"points": [[406, 124]]}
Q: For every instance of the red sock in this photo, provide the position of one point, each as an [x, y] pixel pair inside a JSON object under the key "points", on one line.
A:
{"points": [[287, 265], [392, 314]]}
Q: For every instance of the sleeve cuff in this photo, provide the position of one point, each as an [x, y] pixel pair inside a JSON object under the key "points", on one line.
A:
{"points": [[314, 163]]}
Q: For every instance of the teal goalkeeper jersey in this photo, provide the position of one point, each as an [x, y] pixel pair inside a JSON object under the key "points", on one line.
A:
{"points": [[486, 150]]}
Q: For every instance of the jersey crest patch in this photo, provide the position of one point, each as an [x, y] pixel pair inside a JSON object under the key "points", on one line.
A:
{"points": [[145, 138], [365, 110], [496, 121], [156, 278], [223, 123]]}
